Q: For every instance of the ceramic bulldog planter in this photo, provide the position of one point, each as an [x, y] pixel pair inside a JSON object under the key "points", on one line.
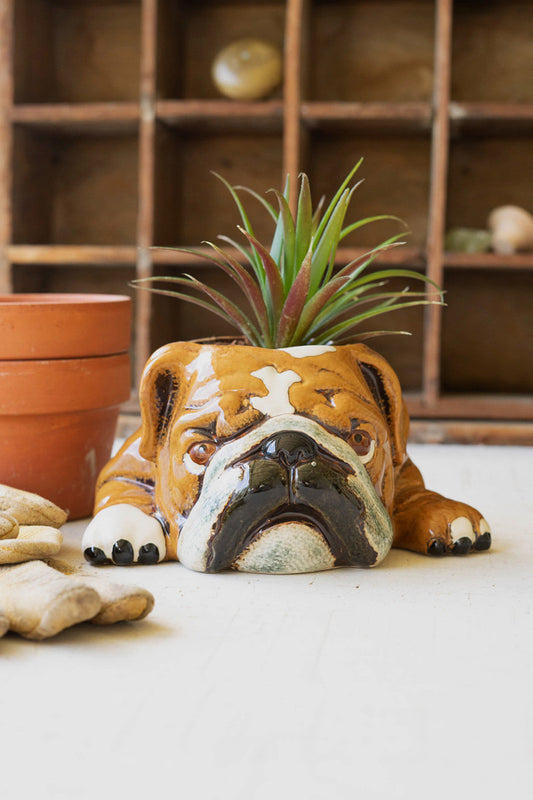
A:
{"points": [[271, 461], [285, 455]]}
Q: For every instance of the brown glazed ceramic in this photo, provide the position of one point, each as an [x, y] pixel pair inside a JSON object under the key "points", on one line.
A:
{"points": [[63, 374], [271, 461]]}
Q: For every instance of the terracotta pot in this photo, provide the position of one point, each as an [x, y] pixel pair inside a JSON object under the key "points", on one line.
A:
{"points": [[64, 371], [289, 460]]}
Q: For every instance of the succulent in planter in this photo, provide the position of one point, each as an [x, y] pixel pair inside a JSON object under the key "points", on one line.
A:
{"points": [[286, 453], [293, 294]]}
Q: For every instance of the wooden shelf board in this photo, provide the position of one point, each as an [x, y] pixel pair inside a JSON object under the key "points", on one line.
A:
{"points": [[502, 117], [412, 116], [78, 117], [446, 431], [221, 114], [65, 255], [472, 406], [488, 261]]}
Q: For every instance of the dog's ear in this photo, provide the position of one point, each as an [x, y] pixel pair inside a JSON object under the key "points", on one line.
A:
{"points": [[162, 387], [386, 391]]}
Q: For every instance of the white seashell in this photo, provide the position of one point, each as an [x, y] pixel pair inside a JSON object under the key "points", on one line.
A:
{"points": [[511, 228]]}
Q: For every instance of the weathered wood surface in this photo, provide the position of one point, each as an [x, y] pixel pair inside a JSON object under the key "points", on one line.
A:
{"points": [[110, 125]]}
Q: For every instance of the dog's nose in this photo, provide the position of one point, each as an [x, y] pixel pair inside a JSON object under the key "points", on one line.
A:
{"points": [[290, 448]]}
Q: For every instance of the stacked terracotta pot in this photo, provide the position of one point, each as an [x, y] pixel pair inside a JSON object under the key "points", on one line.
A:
{"points": [[64, 371]]}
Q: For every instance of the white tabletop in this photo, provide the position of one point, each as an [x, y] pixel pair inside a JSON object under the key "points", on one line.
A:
{"points": [[413, 680]]}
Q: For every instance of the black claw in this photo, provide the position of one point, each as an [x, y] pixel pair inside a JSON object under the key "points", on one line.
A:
{"points": [[484, 541], [436, 548], [122, 553], [96, 556], [462, 546], [149, 554]]}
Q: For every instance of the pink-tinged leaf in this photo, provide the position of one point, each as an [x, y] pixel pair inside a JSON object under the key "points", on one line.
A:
{"points": [[233, 311], [295, 302], [273, 278], [316, 304], [249, 288], [223, 307]]}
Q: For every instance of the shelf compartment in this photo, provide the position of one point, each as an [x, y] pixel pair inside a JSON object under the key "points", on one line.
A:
{"points": [[396, 172], [370, 50], [74, 189], [74, 277], [192, 33], [192, 205], [492, 53], [81, 50], [486, 172], [487, 333]]}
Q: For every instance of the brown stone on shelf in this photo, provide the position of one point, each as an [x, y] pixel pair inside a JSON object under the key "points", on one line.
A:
{"points": [[247, 69]]}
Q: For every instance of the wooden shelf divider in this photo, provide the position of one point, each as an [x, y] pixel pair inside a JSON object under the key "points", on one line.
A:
{"points": [[6, 142], [437, 201], [292, 89], [145, 219]]}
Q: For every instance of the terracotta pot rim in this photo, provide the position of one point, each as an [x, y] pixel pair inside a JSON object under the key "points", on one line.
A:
{"points": [[26, 300], [46, 326]]}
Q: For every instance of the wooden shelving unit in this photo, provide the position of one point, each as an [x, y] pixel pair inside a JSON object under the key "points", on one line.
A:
{"points": [[110, 126]]}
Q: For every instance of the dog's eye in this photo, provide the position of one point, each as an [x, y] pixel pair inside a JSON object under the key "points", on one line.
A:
{"points": [[201, 452], [361, 442]]}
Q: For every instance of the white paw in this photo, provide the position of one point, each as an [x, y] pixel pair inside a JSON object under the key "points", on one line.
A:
{"points": [[123, 534], [464, 536]]}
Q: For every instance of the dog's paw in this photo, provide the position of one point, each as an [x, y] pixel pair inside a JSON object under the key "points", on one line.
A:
{"points": [[437, 526], [462, 534], [123, 534]]}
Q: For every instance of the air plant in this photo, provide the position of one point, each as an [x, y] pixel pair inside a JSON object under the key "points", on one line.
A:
{"points": [[294, 295]]}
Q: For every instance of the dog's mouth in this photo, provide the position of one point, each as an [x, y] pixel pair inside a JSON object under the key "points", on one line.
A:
{"points": [[293, 513], [278, 510], [294, 539]]}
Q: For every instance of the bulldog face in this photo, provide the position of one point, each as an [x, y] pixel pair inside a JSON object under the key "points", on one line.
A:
{"points": [[271, 460]]}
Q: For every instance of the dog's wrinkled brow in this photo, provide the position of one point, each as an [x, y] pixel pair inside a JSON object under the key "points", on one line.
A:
{"points": [[209, 430]]}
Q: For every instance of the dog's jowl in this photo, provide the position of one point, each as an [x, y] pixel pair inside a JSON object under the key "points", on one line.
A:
{"points": [[273, 461]]}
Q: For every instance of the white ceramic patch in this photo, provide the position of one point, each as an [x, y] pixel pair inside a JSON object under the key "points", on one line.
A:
{"points": [[276, 402]]}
